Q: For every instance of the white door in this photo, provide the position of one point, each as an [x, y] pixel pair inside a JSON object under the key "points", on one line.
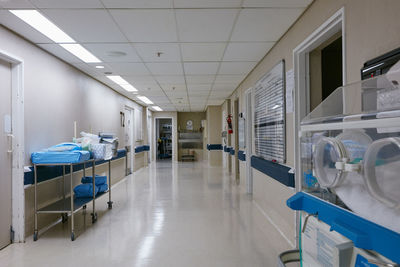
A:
{"points": [[129, 142], [5, 153]]}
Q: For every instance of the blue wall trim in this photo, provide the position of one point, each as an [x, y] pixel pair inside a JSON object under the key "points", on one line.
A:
{"points": [[50, 172], [242, 155], [214, 147], [232, 152], [364, 234], [140, 149], [227, 149], [274, 170]]}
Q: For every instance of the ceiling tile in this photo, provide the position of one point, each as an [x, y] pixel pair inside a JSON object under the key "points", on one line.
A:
{"points": [[149, 52], [235, 79], [201, 68], [170, 79], [236, 68], [138, 3], [149, 87], [86, 25], [147, 25], [199, 87], [16, 4], [113, 52], [224, 87], [129, 69], [164, 68], [192, 79], [205, 25], [139, 79], [160, 99], [276, 3], [219, 94], [247, 51], [67, 4], [264, 24], [178, 94], [206, 3], [171, 87], [198, 93], [202, 51], [91, 68]]}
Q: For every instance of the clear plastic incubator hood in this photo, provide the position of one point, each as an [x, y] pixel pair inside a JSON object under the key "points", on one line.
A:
{"points": [[350, 163]]}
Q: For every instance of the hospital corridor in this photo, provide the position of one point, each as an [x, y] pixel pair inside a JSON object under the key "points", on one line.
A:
{"points": [[173, 214], [218, 133]]}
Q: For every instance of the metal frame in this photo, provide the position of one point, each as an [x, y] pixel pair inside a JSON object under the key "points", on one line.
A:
{"points": [[68, 206]]}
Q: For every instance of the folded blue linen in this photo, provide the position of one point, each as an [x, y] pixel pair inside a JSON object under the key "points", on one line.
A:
{"points": [[85, 190], [49, 157], [99, 180], [103, 188]]}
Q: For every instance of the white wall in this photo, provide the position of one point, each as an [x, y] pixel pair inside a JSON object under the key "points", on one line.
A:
{"points": [[56, 95]]}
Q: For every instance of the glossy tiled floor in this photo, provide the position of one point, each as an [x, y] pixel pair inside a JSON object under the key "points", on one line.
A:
{"points": [[169, 214]]}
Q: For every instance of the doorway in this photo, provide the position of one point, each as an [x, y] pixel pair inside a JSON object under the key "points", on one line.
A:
{"points": [[5, 154], [164, 145], [326, 70]]}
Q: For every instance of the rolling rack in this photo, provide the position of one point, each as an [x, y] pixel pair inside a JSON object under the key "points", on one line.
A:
{"points": [[70, 205]]}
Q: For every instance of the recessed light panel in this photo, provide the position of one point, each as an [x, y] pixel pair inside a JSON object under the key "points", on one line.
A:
{"points": [[43, 25], [145, 100], [81, 52]]}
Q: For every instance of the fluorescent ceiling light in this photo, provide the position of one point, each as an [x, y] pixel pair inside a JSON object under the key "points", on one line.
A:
{"points": [[121, 82], [80, 52], [117, 79], [157, 108], [145, 100], [128, 87], [43, 25], [99, 67]]}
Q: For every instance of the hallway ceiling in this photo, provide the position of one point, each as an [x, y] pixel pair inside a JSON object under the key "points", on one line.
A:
{"points": [[182, 54]]}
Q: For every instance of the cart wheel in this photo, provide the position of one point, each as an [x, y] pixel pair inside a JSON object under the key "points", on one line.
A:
{"points": [[110, 204], [64, 217], [72, 236], [94, 217], [35, 236]]}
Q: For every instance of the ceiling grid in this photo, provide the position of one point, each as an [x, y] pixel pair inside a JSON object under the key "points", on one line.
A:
{"points": [[181, 54]]}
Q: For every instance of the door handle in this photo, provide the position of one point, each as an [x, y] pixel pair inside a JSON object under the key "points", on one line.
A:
{"points": [[10, 149]]}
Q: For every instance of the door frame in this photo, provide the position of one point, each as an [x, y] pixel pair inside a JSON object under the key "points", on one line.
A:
{"points": [[133, 137], [302, 85], [236, 104], [155, 118], [249, 139], [18, 145]]}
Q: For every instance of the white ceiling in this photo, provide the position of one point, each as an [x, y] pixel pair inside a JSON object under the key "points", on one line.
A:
{"points": [[207, 46]]}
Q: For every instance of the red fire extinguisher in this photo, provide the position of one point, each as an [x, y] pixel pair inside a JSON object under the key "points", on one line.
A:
{"points": [[229, 121]]}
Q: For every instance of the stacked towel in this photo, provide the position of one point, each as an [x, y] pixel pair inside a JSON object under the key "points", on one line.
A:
{"points": [[102, 188], [99, 180], [85, 190]]}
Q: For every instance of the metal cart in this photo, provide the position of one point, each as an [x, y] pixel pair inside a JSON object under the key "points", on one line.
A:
{"points": [[70, 205]]}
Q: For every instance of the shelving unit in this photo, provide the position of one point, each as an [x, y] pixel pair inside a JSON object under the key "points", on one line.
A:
{"points": [[68, 205]]}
